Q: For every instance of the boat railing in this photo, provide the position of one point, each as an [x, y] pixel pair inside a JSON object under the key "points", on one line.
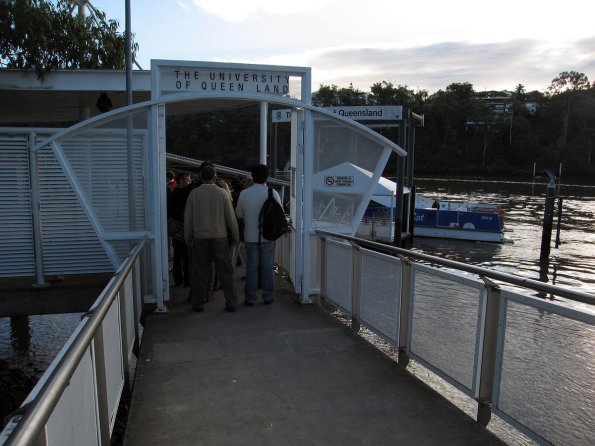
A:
{"points": [[521, 348], [77, 398]]}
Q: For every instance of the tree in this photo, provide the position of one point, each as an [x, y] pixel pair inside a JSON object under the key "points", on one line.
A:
{"points": [[385, 93], [566, 85], [44, 35], [326, 96], [332, 96]]}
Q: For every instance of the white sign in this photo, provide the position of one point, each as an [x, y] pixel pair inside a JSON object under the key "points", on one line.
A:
{"points": [[370, 113], [339, 181], [212, 80]]}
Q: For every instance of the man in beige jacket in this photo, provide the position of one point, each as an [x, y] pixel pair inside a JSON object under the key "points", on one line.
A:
{"points": [[208, 220]]}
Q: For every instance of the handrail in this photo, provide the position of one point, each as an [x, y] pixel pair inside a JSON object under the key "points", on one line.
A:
{"points": [[40, 410], [574, 295]]}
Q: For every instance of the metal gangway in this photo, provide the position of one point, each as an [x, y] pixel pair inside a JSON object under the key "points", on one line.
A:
{"points": [[92, 199], [492, 336]]}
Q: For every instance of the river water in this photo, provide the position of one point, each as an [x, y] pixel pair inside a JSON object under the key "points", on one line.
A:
{"points": [[30, 344], [572, 264]]}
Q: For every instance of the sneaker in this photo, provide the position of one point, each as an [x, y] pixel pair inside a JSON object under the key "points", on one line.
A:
{"points": [[248, 304], [269, 302], [198, 309], [230, 308]]}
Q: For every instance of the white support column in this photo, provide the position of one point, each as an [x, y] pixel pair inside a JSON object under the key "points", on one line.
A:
{"points": [[264, 108], [307, 204], [158, 208], [162, 281], [297, 205]]}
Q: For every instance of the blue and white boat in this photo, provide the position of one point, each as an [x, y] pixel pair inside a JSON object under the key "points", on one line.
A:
{"points": [[461, 220]]}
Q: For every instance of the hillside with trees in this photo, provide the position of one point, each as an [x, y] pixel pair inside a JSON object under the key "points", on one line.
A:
{"points": [[463, 134]]}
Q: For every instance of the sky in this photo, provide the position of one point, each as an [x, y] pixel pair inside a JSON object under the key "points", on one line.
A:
{"points": [[424, 45]]}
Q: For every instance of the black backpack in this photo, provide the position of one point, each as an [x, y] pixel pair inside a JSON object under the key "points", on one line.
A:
{"points": [[272, 221]]}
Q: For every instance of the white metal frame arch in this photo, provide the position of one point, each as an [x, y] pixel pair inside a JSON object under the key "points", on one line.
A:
{"points": [[156, 227]]}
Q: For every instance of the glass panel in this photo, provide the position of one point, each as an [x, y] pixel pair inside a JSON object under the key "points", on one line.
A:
{"points": [[380, 291], [344, 160], [338, 273], [444, 324], [547, 376]]}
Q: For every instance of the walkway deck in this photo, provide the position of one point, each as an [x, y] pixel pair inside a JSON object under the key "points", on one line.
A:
{"points": [[284, 374]]}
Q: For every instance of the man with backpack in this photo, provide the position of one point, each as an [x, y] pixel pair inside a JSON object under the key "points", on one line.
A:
{"points": [[260, 251]]}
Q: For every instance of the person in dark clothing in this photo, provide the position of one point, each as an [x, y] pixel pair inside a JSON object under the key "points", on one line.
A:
{"points": [[176, 205]]}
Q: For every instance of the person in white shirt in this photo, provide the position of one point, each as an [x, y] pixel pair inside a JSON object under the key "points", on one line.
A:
{"points": [[259, 252]]}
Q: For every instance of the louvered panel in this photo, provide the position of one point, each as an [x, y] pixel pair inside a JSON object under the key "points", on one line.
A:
{"points": [[16, 227], [70, 246], [99, 159]]}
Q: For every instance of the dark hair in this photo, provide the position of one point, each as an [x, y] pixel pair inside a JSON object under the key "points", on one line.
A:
{"points": [[206, 164], [207, 173], [260, 173], [169, 175]]}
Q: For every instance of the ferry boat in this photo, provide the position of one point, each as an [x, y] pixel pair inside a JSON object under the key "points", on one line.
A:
{"points": [[462, 220]]}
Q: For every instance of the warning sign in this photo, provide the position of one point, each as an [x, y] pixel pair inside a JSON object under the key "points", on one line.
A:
{"points": [[338, 181]]}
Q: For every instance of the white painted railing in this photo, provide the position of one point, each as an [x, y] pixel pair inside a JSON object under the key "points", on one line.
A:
{"points": [[76, 400], [527, 359]]}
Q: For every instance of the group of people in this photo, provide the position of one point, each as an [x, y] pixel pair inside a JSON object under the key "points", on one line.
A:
{"points": [[207, 222]]}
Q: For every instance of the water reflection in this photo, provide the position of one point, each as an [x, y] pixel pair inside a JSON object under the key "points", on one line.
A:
{"points": [[20, 333]]}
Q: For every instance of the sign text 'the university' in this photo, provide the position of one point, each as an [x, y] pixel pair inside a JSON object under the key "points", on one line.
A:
{"points": [[229, 81]]}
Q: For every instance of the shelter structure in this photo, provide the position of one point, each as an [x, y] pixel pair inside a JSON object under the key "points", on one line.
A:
{"points": [[79, 197]]}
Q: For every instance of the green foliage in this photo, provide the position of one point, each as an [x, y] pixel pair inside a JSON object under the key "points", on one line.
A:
{"points": [[329, 96], [462, 136], [42, 35]]}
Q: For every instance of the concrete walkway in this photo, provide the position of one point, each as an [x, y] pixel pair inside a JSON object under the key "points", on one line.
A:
{"points": [[284, 374]]}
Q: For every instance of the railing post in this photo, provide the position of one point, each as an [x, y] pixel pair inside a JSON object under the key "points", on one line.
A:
{"points": [[487, 370], [322, 257], [123, 298], [404, 311], [355, 286], [102, 405], [137, 302]]}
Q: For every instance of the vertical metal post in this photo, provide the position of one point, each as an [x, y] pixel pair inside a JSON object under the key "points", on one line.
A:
{"points": [[157, 191], [548, 217], [136, 303], [124, 301], [405, 307], [307, 203], [355, 286], [35, 213], [130, 126], [487, 357], [264, 107], [273, 155], [400, 187], [100, 375], [322, 257]]}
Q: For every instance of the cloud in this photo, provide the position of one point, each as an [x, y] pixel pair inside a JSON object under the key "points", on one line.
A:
{"points": [[432, 67], [241, 10]]}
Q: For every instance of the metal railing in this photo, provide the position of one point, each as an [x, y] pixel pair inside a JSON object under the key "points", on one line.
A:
{"points": [[76, 400], [525, 358]]}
